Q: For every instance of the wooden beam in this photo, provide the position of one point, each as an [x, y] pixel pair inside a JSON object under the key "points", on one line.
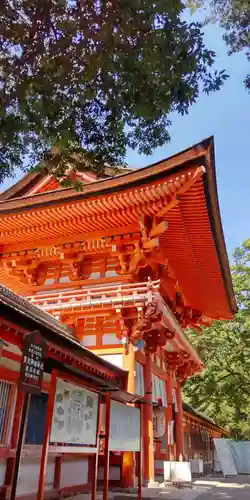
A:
{"points": [[43, 243], [174, 201], [158, 229], [45, 447], [182, 190]]}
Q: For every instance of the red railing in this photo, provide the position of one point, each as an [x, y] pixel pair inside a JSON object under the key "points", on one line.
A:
{"points": [[113, 295]]}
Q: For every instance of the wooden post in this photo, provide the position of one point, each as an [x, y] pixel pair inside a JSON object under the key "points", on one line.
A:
{"points": [[45, 447], [140, 459], [179, 423], [57, 473], [14, 438], [148, 437], [128, 456], [106, 448], [188, 439], [169, 412], [93, 463], [23, 422]]}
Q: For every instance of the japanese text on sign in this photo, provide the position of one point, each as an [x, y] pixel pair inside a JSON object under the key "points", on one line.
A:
{"points": [[74, 415], [32, 367]]}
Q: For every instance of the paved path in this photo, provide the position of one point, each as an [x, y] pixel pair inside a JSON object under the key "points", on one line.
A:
{"points": [[204, 489], [223, 489]]}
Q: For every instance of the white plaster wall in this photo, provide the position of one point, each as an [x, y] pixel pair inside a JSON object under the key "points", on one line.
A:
{"points": [[110, 339], [2, 471], [29, 475], [114, 473], [89, 340], [115, 359], [74, 472]]}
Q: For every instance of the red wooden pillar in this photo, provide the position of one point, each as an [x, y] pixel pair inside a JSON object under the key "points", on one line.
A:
{"points": [[179, 422], [106, 448], [147, 416], [169, 413], [14, 439], [128, 471], [45, 447], [140, 459], [57, 473], [94, 459]]}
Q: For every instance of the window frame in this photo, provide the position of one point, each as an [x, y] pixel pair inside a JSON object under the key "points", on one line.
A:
{"points": [[9, 414]]}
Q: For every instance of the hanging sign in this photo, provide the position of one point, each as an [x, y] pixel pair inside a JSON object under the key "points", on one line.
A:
{"points": [[171, 432], [74, 415], [32, 366], [159, 422]]}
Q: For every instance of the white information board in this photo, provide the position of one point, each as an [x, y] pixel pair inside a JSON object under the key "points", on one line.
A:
{"points": [[74, 415], [225, 457], [124, 427], [177, 472]]}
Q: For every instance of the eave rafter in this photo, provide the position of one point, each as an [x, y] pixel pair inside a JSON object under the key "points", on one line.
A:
{"points": [[125, 208], [139, 249]]}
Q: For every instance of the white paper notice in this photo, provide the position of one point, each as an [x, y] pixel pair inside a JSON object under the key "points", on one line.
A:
{"points": [[124, 427], [74, 415]]}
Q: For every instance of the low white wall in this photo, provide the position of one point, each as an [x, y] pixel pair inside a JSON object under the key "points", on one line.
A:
{"points": [[114, 473], [29, 475], [74, 472]]}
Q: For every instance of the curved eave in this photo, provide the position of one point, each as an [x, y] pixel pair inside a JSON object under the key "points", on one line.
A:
{"points": [[212, 200], [196, 156], [190, 157]]}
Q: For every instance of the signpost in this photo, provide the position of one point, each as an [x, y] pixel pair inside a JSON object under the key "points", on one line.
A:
{"points": [[31, 371], [30, 382]]}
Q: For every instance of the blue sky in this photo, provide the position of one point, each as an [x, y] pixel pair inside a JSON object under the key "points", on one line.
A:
{"points": [[226, 115]]}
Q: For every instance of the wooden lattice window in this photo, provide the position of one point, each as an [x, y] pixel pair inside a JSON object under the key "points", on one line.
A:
{"points": [[7, 391]]}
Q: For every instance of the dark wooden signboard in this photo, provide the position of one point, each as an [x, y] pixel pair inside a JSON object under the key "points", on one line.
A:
{"points": [[30, 382], [31, 371]]}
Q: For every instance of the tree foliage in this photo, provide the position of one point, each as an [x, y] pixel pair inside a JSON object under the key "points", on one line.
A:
{"points": [[223, 390], [95, 76], [234, 17]]}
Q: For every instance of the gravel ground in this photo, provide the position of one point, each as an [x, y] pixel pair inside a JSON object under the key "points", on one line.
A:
{"points": [[210, 488]]}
